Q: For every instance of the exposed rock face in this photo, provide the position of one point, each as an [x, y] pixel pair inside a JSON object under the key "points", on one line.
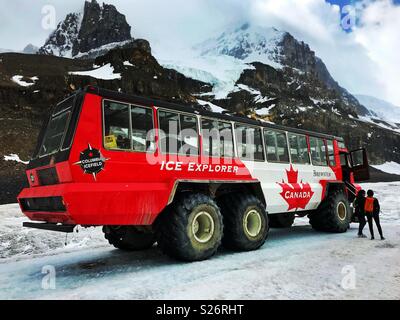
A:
{"points": [[281, 51], [80, 33], [63, 40], [100, 26], [297, 54]]}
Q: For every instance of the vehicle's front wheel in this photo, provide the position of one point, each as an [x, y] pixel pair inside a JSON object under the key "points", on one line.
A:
{"points": [[333, 214], [129, 238], [245, 221], [191, 229]]}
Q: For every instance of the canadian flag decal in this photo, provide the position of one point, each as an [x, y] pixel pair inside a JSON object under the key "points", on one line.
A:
{"points": [[297, 195]]}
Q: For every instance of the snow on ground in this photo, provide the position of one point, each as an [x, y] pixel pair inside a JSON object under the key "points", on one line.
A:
{"points": [[389, 167], [386, 125], [18, 80], [259, 98], [101, 50], [381, 108], [214, 108], [220, 71], [14, 157], [215, 62], [263, 111], [17, 242], [388, 195], [105, 72], [295, 263]]}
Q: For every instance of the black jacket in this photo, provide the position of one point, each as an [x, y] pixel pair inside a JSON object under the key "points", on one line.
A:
{"points": [[359, 205], [377, 207]]}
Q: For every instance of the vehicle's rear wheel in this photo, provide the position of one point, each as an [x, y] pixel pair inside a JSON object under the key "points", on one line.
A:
{"points": [[245, 221], [129, 238], [333, 214], [281, 220], [191, 229]]}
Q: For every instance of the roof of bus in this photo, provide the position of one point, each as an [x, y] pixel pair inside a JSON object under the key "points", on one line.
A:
{"points": [[114, 95]]}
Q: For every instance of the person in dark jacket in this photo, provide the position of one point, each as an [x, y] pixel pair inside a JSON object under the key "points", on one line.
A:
{"points": [[359, 212], [372, 210]]}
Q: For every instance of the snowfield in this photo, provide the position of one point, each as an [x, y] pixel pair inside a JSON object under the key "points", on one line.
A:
{"points": [[105, 72], [389, 167], [18, 80], [14, 157], [296, 263]]}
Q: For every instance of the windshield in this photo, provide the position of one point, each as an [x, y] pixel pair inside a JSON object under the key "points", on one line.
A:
{"points": [[56, 128], [55, 133]]}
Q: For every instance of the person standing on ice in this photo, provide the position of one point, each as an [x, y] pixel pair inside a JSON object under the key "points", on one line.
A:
{"points": [[359, 204], [372, 210]]}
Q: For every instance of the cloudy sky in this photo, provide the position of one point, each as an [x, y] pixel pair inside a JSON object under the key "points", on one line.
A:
{"points": [[364, 59]]}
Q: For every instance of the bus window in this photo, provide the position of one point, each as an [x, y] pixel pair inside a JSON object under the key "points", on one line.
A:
{"points": [[142, 125], [249, 143], [343, 160], [169, 131], [331, 153], [178, 133], [298, 149], [322, 146], [55, 133], [226, 139], [276, 146], [188, 135], [341, 145], [116, 126], [217, 138], [318, 152]]}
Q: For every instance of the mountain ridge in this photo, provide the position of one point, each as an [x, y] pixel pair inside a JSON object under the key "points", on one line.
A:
{"points": [[81, 32], [278, 49], [380, 108]]}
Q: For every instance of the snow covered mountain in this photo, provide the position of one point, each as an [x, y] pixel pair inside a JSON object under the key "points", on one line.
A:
{"points": [[30, 49], [380, 108], [248, 43], [83, 32], [62, 41], [222, 60]]}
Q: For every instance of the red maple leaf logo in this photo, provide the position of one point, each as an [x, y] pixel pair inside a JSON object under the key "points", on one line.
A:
{"points": [[297, 195]]}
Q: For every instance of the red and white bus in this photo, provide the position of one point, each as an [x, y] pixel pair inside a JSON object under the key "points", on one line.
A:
{"points": [[150, 171]]}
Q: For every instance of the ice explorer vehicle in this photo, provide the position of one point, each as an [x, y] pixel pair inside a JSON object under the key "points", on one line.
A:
{"points": [[149, 171]]}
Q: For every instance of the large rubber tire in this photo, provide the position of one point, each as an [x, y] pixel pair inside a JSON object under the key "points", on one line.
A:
{"points": [[333, 214], [245, 221], [281, 220], [129, 238], [191, 229]]}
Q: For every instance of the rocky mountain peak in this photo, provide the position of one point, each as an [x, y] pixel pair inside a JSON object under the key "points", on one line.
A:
{"points": [[30, 49], [247, 42], [281, 51], [79, 33], [62, 41]]}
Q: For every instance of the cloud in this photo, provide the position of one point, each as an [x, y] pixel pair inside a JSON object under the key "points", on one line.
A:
{"points": [[363, 61], [379, 34], [349, 59]]}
